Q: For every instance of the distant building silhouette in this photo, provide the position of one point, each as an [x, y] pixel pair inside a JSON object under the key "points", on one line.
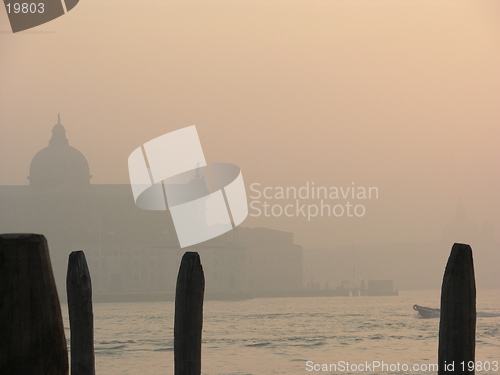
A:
{"points": [[461, 228], [130, 250], [411, 264], [59, 164]]}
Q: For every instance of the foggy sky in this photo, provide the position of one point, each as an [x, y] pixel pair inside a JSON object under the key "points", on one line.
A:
{"points": [[399, 95]]}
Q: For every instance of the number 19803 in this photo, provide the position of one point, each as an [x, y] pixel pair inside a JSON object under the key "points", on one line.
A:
{"points": [[25, 8], [479, 366]]}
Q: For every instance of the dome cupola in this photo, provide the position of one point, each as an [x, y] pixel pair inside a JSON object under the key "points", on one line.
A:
{"points": [[59, 164]]}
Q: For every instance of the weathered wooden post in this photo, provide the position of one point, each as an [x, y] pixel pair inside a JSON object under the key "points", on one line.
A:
{"points": [[81, 317], [189, 315], [32, 338], [457, 326]]}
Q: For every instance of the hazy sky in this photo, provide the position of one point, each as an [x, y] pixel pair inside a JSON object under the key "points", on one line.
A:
{"points": [[399, 95]]}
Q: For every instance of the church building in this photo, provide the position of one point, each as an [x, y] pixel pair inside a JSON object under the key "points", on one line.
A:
{"points": [[132, 253]]}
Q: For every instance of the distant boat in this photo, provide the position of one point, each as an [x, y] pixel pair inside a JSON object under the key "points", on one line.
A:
{"points": [[429, 312]]}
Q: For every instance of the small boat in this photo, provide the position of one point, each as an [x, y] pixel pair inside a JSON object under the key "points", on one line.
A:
{"points": [[429, 312]]}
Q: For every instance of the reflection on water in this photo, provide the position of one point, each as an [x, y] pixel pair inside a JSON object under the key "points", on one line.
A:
{"points": [[278, 335]]}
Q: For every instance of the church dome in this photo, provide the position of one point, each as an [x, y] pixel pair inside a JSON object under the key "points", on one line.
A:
{"points": [[59, 163]]}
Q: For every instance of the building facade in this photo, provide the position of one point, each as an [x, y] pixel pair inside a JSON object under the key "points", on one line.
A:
{"points": [[129, 250]]}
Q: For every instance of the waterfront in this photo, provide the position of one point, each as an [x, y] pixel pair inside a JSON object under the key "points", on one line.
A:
{"points": [[279, 335]]}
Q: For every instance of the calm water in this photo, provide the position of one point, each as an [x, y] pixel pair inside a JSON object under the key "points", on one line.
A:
{"points": [[278, 335]]}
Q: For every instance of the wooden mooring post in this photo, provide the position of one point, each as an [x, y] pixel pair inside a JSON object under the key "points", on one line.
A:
{"points": [[81, 317], [32, 340], [188, 323], [457, 325]]}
